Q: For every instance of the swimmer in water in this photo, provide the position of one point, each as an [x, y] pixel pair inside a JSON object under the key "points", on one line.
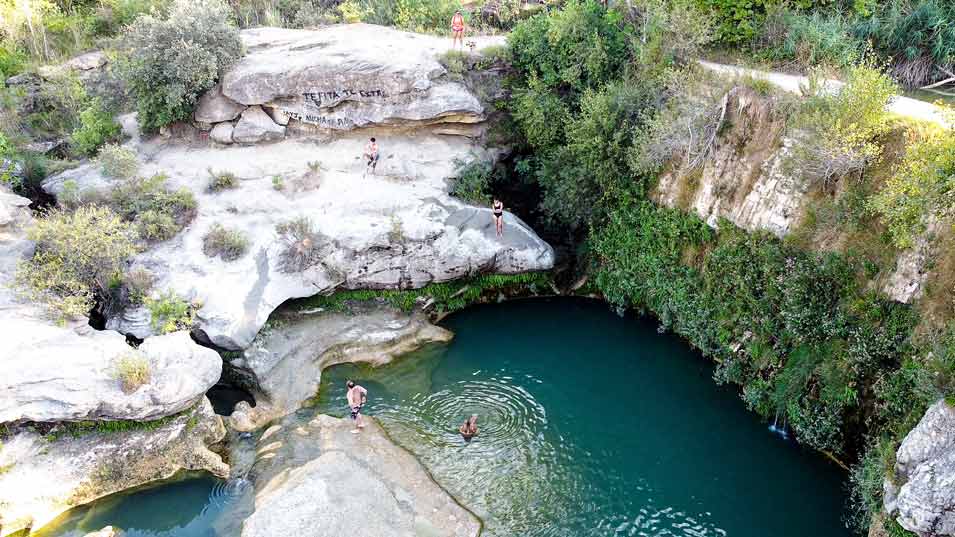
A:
{"points": [[469, 428]]}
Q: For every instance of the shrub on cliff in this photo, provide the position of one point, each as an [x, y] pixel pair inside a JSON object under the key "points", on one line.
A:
{"points": [[171, 61], [921, 188], [157, 211], [117, 162], [132, 370], [170, 313], [77, 255], [229, 244], [301, 244], [472, 182], [838, 132], [97, 127]]}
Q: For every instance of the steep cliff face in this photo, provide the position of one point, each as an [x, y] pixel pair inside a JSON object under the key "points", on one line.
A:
{"points": [[751, 179], [743, 179]]}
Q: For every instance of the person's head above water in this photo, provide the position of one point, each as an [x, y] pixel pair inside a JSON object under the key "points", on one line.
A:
{"points": [[372, 140], [350, 384]]}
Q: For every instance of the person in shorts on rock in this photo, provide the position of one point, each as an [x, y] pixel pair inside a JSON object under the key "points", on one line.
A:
{"points": [[371, 154], [457, 29], [356, 396]]}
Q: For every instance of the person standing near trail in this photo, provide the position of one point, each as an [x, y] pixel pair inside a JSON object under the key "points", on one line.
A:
{"points": [[457, 29], [356, 396], [371, 154]]}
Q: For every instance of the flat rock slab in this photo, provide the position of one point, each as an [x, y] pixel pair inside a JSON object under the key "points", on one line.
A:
{"points": [[53, 373], [287, 360], [398, 228], [45, 477], [361, 485]]}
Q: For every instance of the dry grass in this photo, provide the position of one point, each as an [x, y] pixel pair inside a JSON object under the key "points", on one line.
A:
{"points": [[132, 370]]}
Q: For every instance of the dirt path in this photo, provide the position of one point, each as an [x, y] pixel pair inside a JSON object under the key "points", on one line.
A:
{"points": [[902, 106]]}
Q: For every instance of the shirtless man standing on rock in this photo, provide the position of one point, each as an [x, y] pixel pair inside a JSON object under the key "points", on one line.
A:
{"points": [[356, 399]]}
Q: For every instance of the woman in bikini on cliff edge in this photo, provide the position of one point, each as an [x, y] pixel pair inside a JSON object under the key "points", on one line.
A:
{"points": [[457, 29], [498, 209]]}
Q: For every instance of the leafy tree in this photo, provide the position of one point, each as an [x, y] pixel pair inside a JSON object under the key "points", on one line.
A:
{"points": [[171, 61]]}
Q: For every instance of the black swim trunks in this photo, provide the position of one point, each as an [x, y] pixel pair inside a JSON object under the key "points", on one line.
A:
{"points": [[354, 412]]}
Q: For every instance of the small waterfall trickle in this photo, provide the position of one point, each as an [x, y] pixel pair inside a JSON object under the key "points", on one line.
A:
{"points": [[781, 430]]}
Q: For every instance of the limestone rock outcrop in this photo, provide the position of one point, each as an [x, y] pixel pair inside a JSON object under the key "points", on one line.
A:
{"points": [[52, 372], [44, 477], [333, 79], [318, 479], [285, 362], [397, 228], [922, 495], [743, 180]]}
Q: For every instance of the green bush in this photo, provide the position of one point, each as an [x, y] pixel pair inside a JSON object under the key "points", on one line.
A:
{"points": [[229, 244], [808, 40], [97, 127], [472, 182], [117, 162], [110, 17], [918, 35], [137, 284], [456, 62], [77, 255], [57, 106], [219, 181], [159, 213], [838, 133], [170, 313], [919, 188], [12, 61], [425, 15], [171, 61], [132, 370], [301, 245]]}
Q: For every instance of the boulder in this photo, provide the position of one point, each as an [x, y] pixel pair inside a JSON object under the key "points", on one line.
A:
{"points": [[333, 79], [53, 373], [318, 479], [214, 107], [222, 133], [47, 475], [90, 60], [922, 495], [286, 360], [279, 116], [256, 126], [398, 228]]}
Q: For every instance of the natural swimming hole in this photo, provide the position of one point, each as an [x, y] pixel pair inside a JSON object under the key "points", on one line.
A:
{"points": [[589, 424]]}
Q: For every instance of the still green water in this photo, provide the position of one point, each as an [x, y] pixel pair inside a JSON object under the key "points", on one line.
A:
{"points": [[590, 424]]}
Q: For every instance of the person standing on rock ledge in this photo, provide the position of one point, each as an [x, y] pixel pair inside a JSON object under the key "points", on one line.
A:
{"points": [[457, 29], [356, 397], [498, 208]]}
